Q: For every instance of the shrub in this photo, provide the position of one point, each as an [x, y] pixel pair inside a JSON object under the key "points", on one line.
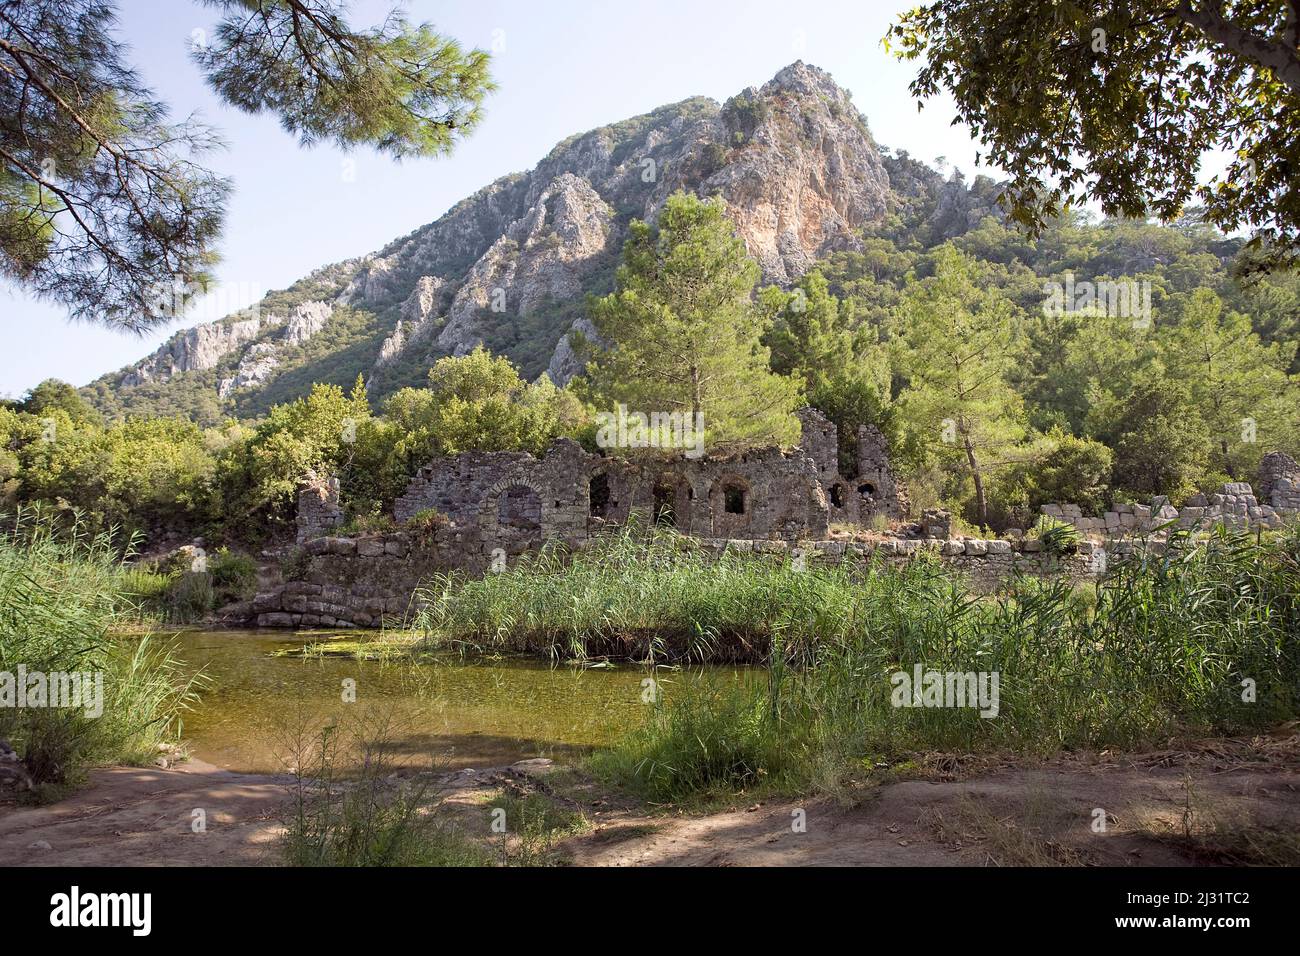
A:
{"points": [[1076, 470], [426, 521], [234, 576], [345, 811], [1057, 537]]}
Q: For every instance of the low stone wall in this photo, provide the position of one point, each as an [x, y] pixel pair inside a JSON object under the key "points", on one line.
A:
{"points": [[371, 581], [1233, 505], [987, 564], [367, 581]]}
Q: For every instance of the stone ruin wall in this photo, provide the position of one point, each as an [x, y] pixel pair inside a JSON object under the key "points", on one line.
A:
{"points": [[1279, 482], [319, 511], [569, 494], [873, 491], [495, 506], [1234, 505], [374, 580]]}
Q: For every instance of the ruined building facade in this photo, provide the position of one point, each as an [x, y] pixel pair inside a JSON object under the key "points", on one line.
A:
{"points": [[518, 501]]}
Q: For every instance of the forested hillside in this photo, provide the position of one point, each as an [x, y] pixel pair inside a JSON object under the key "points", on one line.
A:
{"points": [[1102, 361]]}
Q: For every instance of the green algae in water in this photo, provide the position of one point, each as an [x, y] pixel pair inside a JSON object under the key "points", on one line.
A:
{"points": [[463, 712]]}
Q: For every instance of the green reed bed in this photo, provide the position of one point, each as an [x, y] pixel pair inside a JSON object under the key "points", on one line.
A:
{"points": [[633, 595], [1201, 638], [63, 595]]}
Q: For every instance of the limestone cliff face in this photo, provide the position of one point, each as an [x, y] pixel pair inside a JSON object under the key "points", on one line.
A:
{"points": [[197, 349], [793, 159], [807, 176], [256, 365], [205, 346], [543, 256], [511, 265], [307, 319]]}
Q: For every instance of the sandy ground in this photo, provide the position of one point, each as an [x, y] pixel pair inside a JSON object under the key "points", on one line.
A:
{"points": [[1213, 802], [143, 816], [1037, 817]]}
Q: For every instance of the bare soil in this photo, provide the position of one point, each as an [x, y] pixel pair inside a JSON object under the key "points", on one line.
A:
{"points": [[1218, 801]]}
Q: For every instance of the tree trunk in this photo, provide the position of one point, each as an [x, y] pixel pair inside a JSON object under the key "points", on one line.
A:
{"points": [[697, 402], [981, 502]]}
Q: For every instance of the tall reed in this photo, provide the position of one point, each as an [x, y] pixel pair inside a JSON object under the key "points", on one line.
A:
{"points": [[1200, 637], [63, 593]]}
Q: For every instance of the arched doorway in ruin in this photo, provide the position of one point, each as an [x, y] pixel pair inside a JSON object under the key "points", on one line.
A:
{"points": [[670, 502], [514, 507], [731, 502]]}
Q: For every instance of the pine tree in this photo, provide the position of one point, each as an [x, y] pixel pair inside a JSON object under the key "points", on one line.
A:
{"points": [[958, 352], [682, 334], [1237, 383], [106, 207]]}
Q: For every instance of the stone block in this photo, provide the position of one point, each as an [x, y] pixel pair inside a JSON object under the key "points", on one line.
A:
{"points": [[370, 547]]}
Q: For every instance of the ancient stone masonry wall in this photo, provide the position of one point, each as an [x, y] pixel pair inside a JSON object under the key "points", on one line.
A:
{"points": [[1233, 505], [367, 581], [1279, 482], [873, 492], [495, 506], [877, 490], [517, 500], [319, 511], [374, 580]]}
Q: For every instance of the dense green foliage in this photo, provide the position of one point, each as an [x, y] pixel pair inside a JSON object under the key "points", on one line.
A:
{"points": [[1121, 102], [62, 592], [401, 88], [967, 336], [946, 345], [237, 482]]}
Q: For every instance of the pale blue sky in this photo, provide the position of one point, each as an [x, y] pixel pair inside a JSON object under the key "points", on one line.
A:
{"points": [[563, 67]]}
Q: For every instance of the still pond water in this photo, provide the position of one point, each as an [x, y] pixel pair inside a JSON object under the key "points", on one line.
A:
{"points": [[464, 713]]}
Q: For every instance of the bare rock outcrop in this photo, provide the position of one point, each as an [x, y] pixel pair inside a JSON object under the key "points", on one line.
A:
{"points": [[793, 159], [255, 367], [542, 257], [808, 176], [307, 319], [197, 349], [566, 363]]}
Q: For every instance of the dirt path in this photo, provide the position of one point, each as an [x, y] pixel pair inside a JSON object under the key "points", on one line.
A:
{"points": [[1220, 801], [138, 816], [1214, 802]]}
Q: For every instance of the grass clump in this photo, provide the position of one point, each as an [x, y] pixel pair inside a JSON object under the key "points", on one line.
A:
{"points": [[345, 808], [63, 595], [710, 743], [527, 827], [642, 596]]}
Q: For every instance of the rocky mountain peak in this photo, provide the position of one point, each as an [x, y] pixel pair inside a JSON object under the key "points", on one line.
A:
{"points": [[804, 78], [511, 265]]}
